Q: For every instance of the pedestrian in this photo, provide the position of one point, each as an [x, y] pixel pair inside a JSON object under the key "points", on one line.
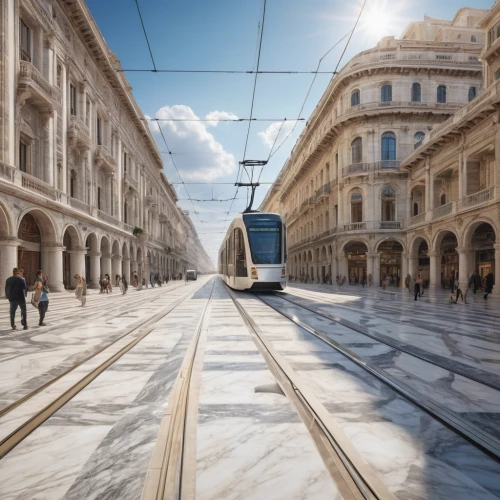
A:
{"points": [[41, 300], [452, 280], [363, 279], [477, 282], [125, 285], [385, 282], [407, 282], [107, 283], [418, 283], [20, 272], [489, 281], [370, 279], [136, 281], [15, 288], [81, 289]]}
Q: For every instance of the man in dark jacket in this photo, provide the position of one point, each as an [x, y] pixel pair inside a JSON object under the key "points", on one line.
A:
{"points": [[489, 282], [15, 288]]}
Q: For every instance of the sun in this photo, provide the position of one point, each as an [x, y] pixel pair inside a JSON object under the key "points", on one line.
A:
{"points": [[382, 18]]}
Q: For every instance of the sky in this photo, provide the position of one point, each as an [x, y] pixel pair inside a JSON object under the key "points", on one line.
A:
{"points": [[224, 35]]}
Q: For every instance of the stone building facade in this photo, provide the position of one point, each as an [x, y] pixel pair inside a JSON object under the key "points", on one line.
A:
{"points": [[79, 168], [343, 192], [456, 171]]}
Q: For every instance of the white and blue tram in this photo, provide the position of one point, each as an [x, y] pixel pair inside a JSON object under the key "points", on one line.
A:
{"points": [[253, 253]]}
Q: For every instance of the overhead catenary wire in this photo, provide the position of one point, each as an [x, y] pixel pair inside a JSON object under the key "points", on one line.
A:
{"points": [[224, 71], [146, 36], [222, 119]]}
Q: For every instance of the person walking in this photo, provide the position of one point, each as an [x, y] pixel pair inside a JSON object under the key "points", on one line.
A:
{"points": [[41, 300], [489, 281], [418, 283], [125, 285], [81, 289], [407, 282], [477, 282], [15, 288]]}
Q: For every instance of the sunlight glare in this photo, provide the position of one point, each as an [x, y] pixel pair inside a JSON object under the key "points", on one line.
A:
{"points": [[382, 18]]}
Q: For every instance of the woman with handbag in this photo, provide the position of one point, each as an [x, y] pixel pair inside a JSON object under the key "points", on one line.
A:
{"points": [[81, 289], [418, 285], [40, 300]]}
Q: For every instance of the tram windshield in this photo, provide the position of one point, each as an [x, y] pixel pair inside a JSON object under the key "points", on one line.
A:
{"points": [[264, 236]]}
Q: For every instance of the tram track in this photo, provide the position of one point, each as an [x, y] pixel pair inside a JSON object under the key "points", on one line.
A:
{"points": [[484, 441], [12, 406], [38, 417]]}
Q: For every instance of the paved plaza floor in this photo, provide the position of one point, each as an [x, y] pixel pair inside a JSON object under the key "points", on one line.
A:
{"points": [[407, 390]]}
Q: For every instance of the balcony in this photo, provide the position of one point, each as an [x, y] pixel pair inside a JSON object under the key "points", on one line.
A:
{"points": [[34, 87], [477, 198], [78, 133], [104, 160], [355, 226], [163, 217], [323, 192], [80, 205], [386, 224], [38, 186], [108, 218], [443, 210], [130, 183], [307, 204], [148, 200], [362, 168], [7, 172]]}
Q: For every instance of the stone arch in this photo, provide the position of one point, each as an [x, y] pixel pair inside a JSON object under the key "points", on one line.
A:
{"points": [[309, 256], [91, 242], [346, 243], [105, 245], [440, 235], [323, 253], [415, 244], [125, 250], [391, 238], [44, 222], [115, 248], [74, 235], [470, 229], [6, 224]]}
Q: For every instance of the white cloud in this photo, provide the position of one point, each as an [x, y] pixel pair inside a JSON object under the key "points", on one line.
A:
{"points": [[210, 161], [219, 115], [269, 135]]}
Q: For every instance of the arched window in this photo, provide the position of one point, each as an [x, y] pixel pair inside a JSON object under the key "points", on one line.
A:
{"points": [[416, 92], [472, 93], [388, 197], [418, 137], [416, 197], [441, 93], [442, 199], [388, 146], [356, 206], [386, 93], [355, 97], [357, 150], [415, 209], [98, 198], [473, 38], [125, 212]]}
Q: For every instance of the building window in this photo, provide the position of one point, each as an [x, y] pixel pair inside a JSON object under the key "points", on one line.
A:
{"points": [[72, 99], [99, 130], [386, 93], [418, 138], [388, 203], [99, 198], [497, 74], [25, 42], [441, 94], [356, 207], [125, 162], [472, 93], [125, 212], [473, 39], [442, 199], [355, 97], [59, 76], [388, 146], [24, 151], [87, 111], [357, 150], [72, 184], [415, 209], [416, 92]]}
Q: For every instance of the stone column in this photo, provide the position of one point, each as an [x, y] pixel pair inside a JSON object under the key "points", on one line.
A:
{"points": [[119, 169], [54, 271], [376, 269], [77, 263], [496, 271], [427, 185], [435, 270], [463, 267], [412, 265], [116, 266], [95, 270], [496, 174], [132, 270], [8, 261], [404, 269], [106, 265], [369, 265]]}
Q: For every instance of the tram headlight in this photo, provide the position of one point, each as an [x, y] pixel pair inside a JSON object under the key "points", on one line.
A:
{"points": [[283, 272], [253, 273]]}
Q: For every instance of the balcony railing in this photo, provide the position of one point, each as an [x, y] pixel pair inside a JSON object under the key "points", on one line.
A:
{"points": [[78, 132], [478, 198], [442, 211], [80, 205], [7, 172], [417, 219], [130, 181], [357, 168], [386, 224], [355, 226], [108, 218], [28, 71], [37, 185]]}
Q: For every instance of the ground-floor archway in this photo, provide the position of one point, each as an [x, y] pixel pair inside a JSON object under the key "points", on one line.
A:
{"points": [[483, 249], [356, 252], [391, 252]]}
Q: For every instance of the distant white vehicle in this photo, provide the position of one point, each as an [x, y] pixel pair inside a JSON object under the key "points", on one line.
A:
{"points": [[191, 275]]}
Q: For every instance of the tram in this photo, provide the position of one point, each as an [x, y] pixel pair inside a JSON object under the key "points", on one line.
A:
{"points": [[253, 253]]}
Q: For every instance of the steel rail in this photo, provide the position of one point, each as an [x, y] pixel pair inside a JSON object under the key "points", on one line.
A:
{"points": [[352, 475], [146, 327], [470, 432], [42, 387]]}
